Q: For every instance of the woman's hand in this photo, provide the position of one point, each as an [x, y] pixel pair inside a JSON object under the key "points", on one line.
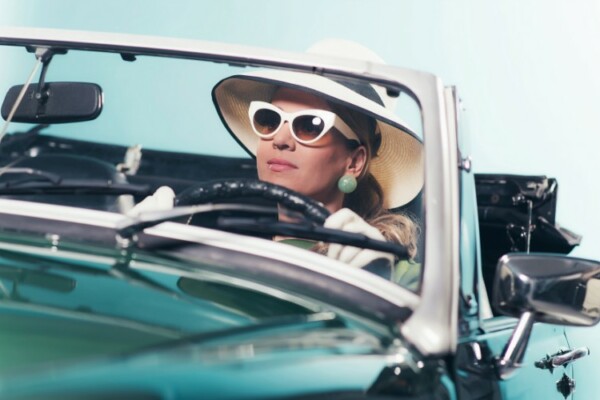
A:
{"points": [[162, 199], [349, 221]]}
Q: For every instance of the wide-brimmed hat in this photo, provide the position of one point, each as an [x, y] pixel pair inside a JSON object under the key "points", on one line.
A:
{"points": [[398, 165]]}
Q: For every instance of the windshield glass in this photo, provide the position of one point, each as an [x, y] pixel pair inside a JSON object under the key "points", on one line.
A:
{"points": [[62, 306], [180, 122]]}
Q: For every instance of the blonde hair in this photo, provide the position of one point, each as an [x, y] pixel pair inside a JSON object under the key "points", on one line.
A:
{"points": [[367, 199], [396, 227]]}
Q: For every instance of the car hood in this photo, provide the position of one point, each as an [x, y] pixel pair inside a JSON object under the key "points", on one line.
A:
{"points": [[78, 321], [258, 366]]}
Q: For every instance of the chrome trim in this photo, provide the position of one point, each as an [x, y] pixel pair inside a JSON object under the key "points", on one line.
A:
{"points": [[433, 326], [102, 219], [191, 49], [562, 360], [514, 352], [56, 253], [560, 289]]}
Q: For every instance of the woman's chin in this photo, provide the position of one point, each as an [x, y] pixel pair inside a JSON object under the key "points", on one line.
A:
{"points": [[282, 180], [286, 184]]}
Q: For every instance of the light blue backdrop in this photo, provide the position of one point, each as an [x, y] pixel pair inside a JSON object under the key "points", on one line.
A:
{"points": [[527, 70]]}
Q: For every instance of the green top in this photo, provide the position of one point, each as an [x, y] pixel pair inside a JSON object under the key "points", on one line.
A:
{"points": [[302, 243], [408, 274]]}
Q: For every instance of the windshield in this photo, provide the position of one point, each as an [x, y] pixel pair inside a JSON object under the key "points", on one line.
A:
{"points": [[292, 198], [160, 103], [163, 122], [60, 306]]}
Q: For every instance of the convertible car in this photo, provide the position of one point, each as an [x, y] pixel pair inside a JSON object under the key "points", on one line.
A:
{"points": [[198, 301]]}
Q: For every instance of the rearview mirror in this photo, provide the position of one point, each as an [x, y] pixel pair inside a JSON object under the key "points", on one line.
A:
{"points": [[556, 289], [58, 102]]}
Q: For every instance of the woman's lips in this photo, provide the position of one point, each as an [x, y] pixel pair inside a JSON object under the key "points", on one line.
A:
{"points": [[279, 165]]}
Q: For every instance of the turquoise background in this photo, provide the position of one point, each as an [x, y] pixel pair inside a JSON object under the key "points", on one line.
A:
{"points": [[526, 70]]}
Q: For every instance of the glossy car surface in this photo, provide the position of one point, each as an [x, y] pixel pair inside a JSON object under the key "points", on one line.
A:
{"points": [[199, 302]]}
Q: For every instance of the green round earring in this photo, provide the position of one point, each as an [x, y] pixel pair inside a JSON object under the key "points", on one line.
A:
{"points": [[347, 184]]}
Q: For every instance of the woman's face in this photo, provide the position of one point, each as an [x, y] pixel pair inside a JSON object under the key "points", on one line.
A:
{"points": [[314, 169]]}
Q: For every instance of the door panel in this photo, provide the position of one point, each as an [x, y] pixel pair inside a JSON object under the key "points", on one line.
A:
{"points": [[475, 362], [585, 370]]}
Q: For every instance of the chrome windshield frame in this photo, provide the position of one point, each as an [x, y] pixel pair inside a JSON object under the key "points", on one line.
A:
{"points": [[432, 328]]}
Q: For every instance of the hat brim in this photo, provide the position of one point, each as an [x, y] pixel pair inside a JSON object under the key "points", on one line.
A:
{"points": [[398, 166]]}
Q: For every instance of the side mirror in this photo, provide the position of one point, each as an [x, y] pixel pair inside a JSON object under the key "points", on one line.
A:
{"points": [[555, 288], [543, 287], [57, 102]]}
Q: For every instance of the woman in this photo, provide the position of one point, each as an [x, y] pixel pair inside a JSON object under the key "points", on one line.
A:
{"points": [[332, 140]]}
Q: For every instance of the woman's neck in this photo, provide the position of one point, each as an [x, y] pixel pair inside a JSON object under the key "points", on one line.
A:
{"points": [[284, 215]]}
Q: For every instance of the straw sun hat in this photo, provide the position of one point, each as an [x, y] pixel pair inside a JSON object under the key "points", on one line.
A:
{"points": [[398, 166]]}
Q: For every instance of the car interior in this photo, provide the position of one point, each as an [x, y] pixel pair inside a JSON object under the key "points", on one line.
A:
{"points": [[517, 213], [42, 167]]}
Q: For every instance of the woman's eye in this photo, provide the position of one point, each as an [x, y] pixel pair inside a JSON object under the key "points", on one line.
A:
{"points": [[266, 121], [308, 125]]}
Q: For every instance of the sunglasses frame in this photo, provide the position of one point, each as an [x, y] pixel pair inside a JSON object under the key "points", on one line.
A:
{"points": [[330, 120]]}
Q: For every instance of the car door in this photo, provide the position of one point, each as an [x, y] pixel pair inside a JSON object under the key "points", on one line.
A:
{"points": [[585, 369], [529, 381], [483, 335]]}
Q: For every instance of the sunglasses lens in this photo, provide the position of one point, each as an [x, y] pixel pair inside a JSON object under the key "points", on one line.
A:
{"points": [[266, 121], [308, 127]]}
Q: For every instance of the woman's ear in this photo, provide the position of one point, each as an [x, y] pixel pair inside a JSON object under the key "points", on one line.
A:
{"points": [[357, 162]]}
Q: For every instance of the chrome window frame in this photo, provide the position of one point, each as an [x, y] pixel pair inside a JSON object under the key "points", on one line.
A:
{"points": [[432, 328]]}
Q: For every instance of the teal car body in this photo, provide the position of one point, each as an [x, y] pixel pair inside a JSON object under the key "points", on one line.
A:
{"points": [[199, 303]]}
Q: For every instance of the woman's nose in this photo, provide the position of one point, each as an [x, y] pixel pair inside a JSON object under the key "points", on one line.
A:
{"points": [[283, 139]]}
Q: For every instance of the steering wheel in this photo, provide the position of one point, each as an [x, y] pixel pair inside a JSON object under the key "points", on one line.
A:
{"points": [[210, 191]]}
